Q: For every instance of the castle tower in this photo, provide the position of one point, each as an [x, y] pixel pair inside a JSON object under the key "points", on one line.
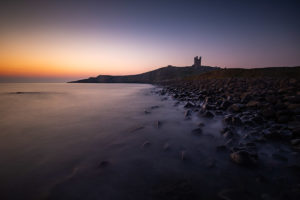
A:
{"points": [[197, 61]]}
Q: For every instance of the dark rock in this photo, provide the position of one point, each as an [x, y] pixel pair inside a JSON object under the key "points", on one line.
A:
{"points": [[279, 157], [189, 105], [145, 144], [253, 104], [296, 131], [257, 119], [197, 131], [245, 97], [296, 143], [208, 114], [201, 124], [225, 104], [147, 111], [236, 121], [227, 119], [268, 113], [221, 148], [283, 119], [219, 112], [225, 129], [228, 135], [236, 107], [243, 158], [158, 124], [154, 107], [277, 134], [187, 114], [183, 155]]}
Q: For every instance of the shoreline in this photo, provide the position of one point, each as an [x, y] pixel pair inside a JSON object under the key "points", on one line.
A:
{"points": [[262, 109]]}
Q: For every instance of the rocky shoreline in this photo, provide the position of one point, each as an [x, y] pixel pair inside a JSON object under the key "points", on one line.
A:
{"points": [[255, 111]]}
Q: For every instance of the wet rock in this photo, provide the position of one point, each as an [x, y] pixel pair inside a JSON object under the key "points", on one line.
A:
{"points": [[187, 114], [158, 124], [295, 131], [206, 106], [260, 139], [146, 144], [283, 118], [296, 143], [201, 124], [253, 104], [236, 121], [164, 99], [232, 120], [197, 131], [189, 105], [208, 114], [183, 155], [280, 157], [243, 157], [245, 97], [227, 119], [154, 107], [268, 113], [147, 111], [219, 112], [225, 104], [225, 129], [221, 148], [177, 103], [236, 107]]}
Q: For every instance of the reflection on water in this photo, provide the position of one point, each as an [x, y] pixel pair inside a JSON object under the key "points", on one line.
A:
{"points": [[63, 141]]}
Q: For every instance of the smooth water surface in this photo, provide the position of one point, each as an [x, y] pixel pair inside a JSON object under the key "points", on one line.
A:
{"points": [[110, 141]]}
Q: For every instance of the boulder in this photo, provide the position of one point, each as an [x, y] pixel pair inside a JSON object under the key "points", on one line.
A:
{"points": [[197, 131], [208, 114], [187, 114], [253, 104], [236, 107], [243, 157], [189, 105]]}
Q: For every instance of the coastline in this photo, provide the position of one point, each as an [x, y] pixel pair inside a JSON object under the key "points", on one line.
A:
{"points": [[255, 110]]}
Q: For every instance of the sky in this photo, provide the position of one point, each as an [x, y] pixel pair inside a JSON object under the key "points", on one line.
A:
{"points": [[50, 41]]}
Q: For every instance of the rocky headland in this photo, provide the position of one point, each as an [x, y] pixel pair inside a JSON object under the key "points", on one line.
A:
{"points": [[158, 76]]}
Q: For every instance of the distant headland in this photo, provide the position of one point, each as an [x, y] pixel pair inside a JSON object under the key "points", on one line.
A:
{"points": [[197, 70]]}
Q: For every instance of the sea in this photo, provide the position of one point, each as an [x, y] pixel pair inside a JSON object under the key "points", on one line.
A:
{"points": [[108, 141]]}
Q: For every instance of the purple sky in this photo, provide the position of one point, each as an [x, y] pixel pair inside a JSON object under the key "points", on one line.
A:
{"points": [[58, 40]]}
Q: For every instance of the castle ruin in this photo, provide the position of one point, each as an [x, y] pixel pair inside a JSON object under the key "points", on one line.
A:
{"points": [[197, 61]]}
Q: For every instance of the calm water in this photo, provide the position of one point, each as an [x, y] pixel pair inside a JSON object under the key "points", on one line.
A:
{"points": [[95, 141], [89, 141]]}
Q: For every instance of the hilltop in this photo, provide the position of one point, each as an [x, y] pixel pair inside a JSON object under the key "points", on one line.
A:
{"points": [[268, 72], [164, 74]]}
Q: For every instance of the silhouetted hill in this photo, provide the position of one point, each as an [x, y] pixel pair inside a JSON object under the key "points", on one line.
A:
{"points": [[164, 74]]}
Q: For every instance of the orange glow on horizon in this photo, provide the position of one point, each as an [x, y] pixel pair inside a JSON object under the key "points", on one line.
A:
{"points": [[46, 54]]}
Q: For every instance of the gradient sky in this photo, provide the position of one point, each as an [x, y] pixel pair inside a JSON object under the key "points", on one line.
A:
{"points": [[67, 40]]}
